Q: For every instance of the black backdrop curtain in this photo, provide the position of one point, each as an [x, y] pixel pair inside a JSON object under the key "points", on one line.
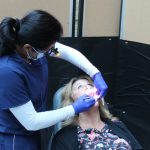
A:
{"points": [[126, 68], [132, 89]]}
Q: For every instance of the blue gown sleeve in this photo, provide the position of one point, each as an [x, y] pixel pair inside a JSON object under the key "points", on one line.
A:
{"points": [[13, 90]]}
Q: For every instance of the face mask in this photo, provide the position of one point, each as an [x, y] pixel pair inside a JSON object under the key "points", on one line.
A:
{"points": [[42, 53], [39, 55]]}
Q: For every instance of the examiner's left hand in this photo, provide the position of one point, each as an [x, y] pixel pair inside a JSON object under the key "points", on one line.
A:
{"points": [[100, 84]]}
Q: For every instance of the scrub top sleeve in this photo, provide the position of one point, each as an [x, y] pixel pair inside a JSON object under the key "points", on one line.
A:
{"points": [[13, 91]]}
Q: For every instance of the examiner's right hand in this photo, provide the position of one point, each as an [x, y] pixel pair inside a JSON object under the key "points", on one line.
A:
{"points": [[83, 103]]}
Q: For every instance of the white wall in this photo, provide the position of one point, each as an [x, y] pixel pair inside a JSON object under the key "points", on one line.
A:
{"points": [[136, 21], [61, 9], [101, 18]]}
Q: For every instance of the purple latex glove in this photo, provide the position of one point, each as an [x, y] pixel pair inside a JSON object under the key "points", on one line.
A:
{"points": [[83, 103], [100, 84]]}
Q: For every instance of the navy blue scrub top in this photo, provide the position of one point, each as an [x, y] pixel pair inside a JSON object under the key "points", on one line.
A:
{"points": [[19, 83]]}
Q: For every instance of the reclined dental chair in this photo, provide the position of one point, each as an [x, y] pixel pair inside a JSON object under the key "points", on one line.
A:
{"points": [[56, 105]]}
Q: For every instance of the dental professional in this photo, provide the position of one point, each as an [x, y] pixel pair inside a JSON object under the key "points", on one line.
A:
{"points": [[24, 43]]}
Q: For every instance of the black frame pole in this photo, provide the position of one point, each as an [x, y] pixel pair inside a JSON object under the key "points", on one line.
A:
{"points": [[73, 18], [80, 18]]}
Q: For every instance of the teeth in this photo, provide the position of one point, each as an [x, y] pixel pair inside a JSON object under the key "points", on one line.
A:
{"points": [[93, 93]]}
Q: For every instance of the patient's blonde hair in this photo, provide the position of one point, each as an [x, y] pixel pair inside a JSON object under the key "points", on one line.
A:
{"points": [[67, 99]]}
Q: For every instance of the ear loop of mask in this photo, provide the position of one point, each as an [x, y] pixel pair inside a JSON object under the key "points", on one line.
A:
{"points": [[29, 57]]}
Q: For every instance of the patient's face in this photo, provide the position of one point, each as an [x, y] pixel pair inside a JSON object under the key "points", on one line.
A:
{"points": [[81, 87]]}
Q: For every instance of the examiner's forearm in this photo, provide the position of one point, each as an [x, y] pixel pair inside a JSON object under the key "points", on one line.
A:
{"points": [[33, 120], [76, 58]]}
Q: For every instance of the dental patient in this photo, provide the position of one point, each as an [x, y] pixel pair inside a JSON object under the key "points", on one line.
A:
{"points": [[95, 129]]}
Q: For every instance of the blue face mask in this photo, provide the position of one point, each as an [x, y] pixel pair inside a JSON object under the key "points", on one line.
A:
{"points": [[42, 53], [38, 56]]}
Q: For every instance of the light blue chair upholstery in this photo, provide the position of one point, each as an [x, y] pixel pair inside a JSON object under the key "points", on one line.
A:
{"points": [[56, 105]]}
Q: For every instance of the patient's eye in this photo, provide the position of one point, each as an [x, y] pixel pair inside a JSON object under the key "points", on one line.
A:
{"points": [[91, 85], [85, 86], [80, 86]]}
